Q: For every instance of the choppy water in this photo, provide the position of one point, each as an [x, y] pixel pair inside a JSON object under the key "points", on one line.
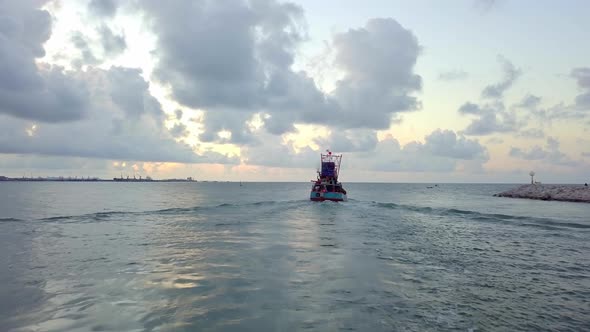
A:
{"points": [[220, 257]]}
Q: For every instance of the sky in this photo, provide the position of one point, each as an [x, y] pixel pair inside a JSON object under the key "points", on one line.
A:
{"points": [[237, 90]]}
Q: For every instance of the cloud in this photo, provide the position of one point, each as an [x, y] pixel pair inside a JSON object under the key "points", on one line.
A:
{"points": [[511, 73], [108, 42], [124, 123], [349, 140], [82, 44], [212, 64], [495, 140], [453, 75], [179, 130], [471, 108], [486, 5], [112, 43], [104, 8], [532, 133], [443, 151], [378, 61], [276, 154], [445, 143], [490, 118], [550, 154], [228, 69], [236, 71], [530, 102], [29, 90], [582, 75]]}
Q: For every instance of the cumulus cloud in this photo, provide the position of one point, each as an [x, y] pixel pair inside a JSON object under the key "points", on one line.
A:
{"points": [[276, 154], [511, 73], [87, 55], [225, 68], [349, 140], [582, 75], [492, 116], [96, 51], [445, 143], [489, 119], [550, 154], [125, 122], [179, 130], [532, 133], [235, 71], [442, 151], [103, 8], [112, 44], [378, 61], [530, 102], [28, 90]]}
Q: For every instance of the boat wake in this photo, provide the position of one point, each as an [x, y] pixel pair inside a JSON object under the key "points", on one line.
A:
{"points": [[273, 206], [99, 216], [547, 223]]}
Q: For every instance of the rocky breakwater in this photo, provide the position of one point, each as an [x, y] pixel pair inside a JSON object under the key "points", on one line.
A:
{"points": [[568, 193]]}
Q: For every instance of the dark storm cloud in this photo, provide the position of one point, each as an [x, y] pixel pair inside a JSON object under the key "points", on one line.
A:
{"points": [[27, 90], [511, 73], [106, 8]]}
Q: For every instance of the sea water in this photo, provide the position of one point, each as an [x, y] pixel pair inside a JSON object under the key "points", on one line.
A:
{"points": [[261, 257]]}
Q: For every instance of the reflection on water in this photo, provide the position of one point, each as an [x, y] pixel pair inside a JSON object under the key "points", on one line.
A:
{"points": [[292, 265]]}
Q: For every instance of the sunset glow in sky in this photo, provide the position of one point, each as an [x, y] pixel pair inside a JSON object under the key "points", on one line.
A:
{"points": [[421, 91]]}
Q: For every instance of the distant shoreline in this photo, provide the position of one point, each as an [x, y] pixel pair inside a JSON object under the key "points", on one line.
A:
{"points": [[6, 179]]}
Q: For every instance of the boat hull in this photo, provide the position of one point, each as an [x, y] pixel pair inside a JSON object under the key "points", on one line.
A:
{"points": [[317, 196]]}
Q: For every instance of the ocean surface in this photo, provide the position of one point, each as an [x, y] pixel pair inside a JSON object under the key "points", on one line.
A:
{"points": [[261, 257]]}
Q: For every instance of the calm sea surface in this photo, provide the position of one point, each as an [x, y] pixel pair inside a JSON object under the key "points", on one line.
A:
{"points": [[261, 257]]}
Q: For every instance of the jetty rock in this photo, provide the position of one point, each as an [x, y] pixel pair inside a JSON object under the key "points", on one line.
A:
{"points": [[550, 192]]}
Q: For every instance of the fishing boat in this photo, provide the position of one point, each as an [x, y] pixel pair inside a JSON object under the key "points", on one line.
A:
{"points": [[326, 187]]}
